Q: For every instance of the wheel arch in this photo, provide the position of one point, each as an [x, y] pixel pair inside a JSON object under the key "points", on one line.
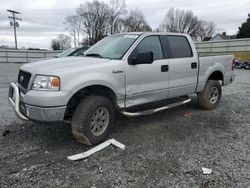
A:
{"points": [[216, 75], [101, 90]]}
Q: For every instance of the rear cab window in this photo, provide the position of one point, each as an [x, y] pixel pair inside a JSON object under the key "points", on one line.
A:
{"points": [[177, 46]]}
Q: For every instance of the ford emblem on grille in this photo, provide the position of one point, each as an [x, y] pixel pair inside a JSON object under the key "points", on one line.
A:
{"points": [[21, 79]]}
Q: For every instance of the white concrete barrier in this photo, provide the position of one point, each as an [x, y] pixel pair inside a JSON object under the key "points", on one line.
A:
{"points": [[203, 48], [24, 56], [223, 46]]}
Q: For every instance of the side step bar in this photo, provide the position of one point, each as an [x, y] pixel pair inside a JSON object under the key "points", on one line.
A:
{"points": [[152, 111]]}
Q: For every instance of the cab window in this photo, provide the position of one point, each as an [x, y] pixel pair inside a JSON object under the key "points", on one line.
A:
{"points": [[150, 44], [179, 47]]}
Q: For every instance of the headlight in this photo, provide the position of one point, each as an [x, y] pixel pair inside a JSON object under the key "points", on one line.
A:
{"points": [[46, 83]]}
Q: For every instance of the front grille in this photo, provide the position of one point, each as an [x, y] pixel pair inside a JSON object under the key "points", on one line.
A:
{"points": [[23, 79]]}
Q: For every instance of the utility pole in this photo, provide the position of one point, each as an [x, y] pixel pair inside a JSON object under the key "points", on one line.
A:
{"points": [[14, 23]]}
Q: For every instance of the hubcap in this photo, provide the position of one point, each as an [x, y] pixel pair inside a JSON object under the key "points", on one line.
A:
{"points": [[99, 121], [214, 95]]}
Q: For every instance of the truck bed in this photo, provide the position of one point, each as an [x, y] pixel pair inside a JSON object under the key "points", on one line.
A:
{"points": [[208, 64]]}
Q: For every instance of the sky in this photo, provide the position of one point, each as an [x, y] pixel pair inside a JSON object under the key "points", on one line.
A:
{"points": [[42, 20]]}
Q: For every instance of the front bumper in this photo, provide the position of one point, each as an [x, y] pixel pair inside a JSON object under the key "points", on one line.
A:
{"points": [[35, 113]]}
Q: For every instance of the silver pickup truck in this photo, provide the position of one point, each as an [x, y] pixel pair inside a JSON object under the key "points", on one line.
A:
{"points": [[132, 73]]}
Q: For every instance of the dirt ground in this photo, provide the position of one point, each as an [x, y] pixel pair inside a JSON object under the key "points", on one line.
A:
{"points": [[167, 149]]}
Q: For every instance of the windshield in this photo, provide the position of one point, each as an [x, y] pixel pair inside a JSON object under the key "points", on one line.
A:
{"points": [[66, 52], [79, 52], [112, 47]]}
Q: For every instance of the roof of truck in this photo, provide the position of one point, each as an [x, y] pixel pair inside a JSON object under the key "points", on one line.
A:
{"points": [[152, 33]]}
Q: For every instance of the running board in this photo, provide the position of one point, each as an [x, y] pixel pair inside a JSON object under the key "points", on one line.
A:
{"points": [[152, 111]]}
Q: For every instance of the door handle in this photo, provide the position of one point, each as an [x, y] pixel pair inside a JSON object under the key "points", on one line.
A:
{"points": [[164, 68], [117, 71], [194, 65]]}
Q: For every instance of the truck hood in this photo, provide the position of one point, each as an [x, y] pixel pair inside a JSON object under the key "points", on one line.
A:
{"points": [[59, 66]]}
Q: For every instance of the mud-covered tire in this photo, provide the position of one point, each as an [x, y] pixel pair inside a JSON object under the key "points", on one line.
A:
{"points": [[210, 97], [93, 120]]}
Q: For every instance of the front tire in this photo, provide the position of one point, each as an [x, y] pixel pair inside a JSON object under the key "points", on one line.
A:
{"points": [[93, 120], [210, 97]]}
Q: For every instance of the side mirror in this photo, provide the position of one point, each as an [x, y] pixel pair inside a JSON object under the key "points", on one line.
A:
{"points": [[141, 58]]}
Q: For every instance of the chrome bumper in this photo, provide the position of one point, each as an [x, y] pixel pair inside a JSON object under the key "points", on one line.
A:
{"points": [[35, 113], [14, 98]]}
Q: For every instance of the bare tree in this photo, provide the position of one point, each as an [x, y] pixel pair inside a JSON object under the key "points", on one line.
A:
{"points": [[65, 41], [207, 29], [117, 9], [98, 19], [55, 45], [136, 22], [118, 26], [74, 27], [62, 42], [181, 21], [94, 16]]}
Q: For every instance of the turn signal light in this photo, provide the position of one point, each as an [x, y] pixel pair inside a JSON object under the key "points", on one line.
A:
{"points": [[55, 82]]}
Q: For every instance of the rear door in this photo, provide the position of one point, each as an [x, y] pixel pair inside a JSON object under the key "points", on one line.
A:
{"points": [[183, 65]]}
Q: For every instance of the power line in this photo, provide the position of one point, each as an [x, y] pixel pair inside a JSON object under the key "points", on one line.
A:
{"points": [[14, 23]]}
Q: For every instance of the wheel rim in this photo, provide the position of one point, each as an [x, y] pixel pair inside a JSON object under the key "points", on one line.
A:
{"points": [[214, 95], [99, 121]]}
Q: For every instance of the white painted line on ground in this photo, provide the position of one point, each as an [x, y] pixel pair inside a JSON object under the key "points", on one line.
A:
{"points": [[96, 149]]}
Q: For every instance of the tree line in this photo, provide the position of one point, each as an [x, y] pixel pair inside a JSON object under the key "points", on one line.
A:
{"points": [[184, 21], [94, 20]]}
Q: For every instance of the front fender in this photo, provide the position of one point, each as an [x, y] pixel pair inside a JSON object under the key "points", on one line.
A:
{"points": [[114, 82]]}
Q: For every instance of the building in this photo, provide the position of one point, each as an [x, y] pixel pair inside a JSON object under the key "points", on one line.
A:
{"points": [[222, 36]]}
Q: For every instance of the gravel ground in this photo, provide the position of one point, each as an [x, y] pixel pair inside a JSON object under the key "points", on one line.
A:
{"points": [[167, 149]]}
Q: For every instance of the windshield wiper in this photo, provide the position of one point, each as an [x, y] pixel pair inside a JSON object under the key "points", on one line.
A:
{"points": [[94, 55]]}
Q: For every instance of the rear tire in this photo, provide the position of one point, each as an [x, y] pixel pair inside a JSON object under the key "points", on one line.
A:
{"points": [[209, 98], [93, 120]]}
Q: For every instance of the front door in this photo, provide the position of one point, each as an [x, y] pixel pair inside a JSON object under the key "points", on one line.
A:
{"points": [[147, 82]]}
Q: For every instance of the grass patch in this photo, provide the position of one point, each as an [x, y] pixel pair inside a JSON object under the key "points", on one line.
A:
{"points": [[244, 56]]}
